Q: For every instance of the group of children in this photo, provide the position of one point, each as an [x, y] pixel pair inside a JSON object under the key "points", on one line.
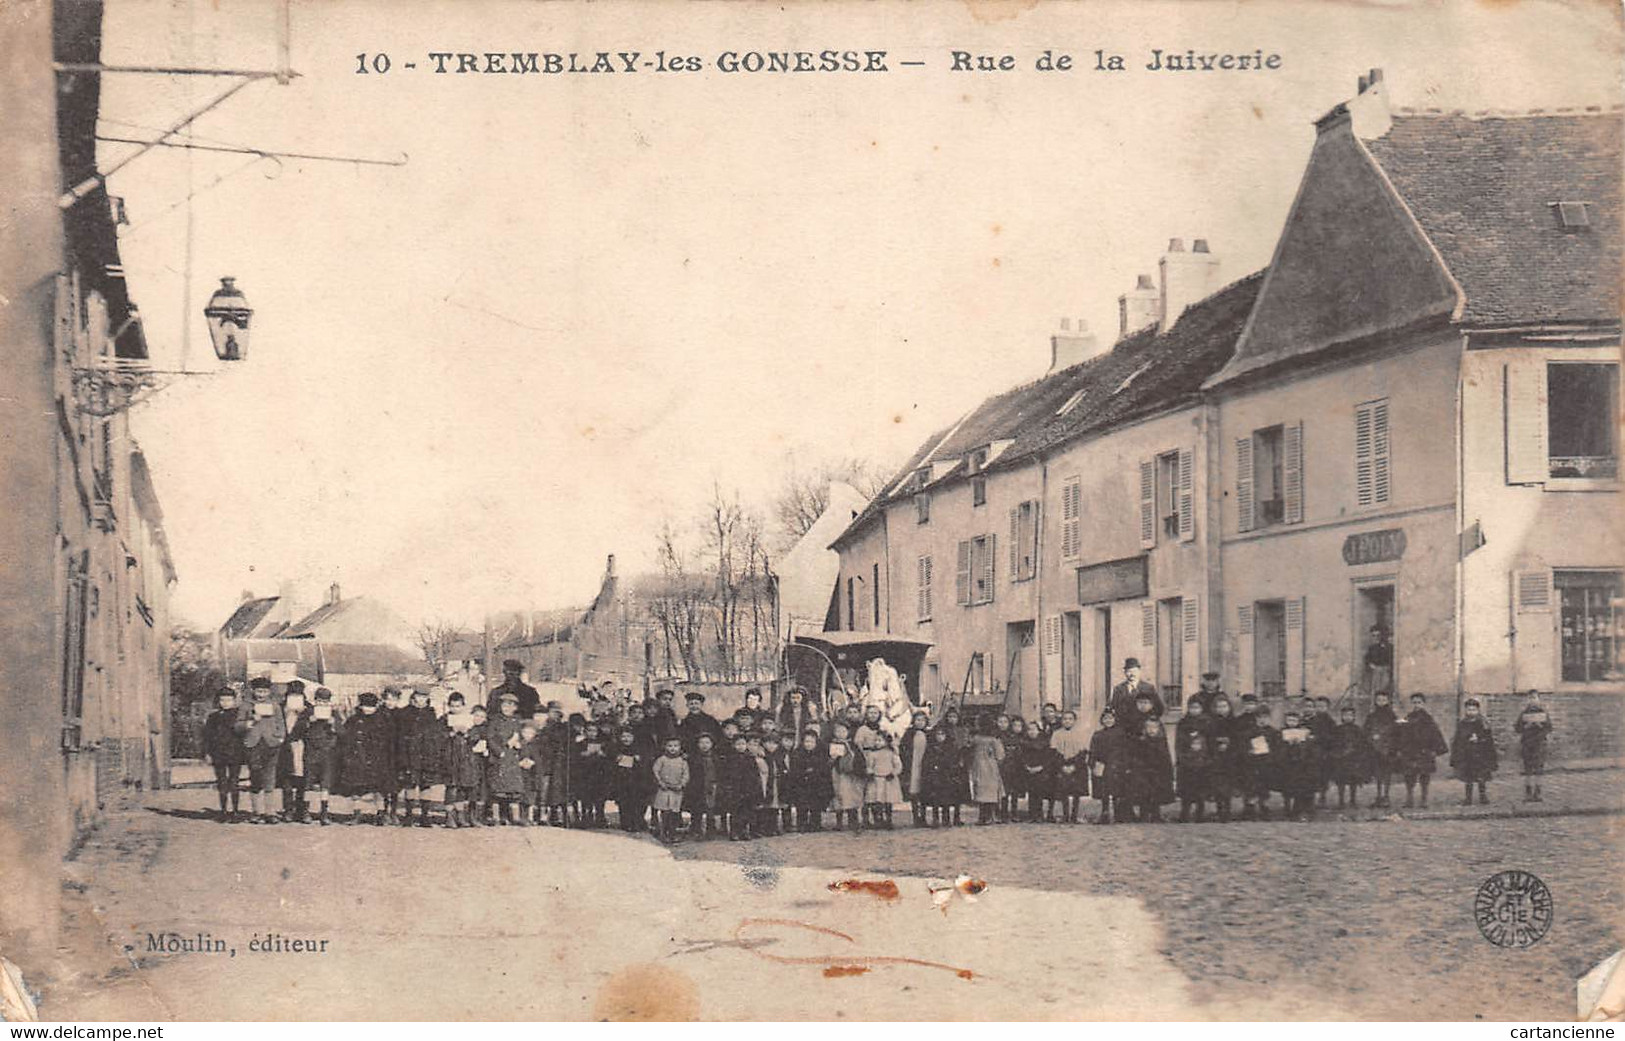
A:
{"points": [[761, 772]]}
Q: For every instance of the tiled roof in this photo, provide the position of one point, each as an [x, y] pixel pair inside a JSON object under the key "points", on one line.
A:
{"points": [[369, 659], [1482, 187], [246, 620], [1144, 373]]}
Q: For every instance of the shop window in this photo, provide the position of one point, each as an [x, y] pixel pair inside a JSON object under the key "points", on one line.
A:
{"points": [[1592, 621], [1581, 415]]}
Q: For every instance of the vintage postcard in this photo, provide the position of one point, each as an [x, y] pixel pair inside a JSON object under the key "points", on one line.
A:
{"points": [[816, 511]]}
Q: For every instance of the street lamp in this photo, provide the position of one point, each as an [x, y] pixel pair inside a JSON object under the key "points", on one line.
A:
{"points": [[104, 384], [228, 314]]}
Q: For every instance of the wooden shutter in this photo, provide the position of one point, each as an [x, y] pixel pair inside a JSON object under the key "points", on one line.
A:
{"points": [[1190, 625], [1071, 518], [1292, 471], [1295, 680], [1534, 591], [1525, 403], [1148, 627], [1052, 636], [1187, 504], [1244, 649], [1363, 453], [1015, 544], [962, 578], [1148, 503], [989, 561], [923, 597], [1029, 539], [1244, 484], [1381, 480]]}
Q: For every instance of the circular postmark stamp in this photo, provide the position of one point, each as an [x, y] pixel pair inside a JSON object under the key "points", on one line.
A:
{"points": [[1513, 909]]}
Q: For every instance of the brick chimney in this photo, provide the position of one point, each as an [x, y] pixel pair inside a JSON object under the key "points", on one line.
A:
{"points": [[1071, 344], [1186, 277], [333, 593], [1368, 109], [1137, 308]]}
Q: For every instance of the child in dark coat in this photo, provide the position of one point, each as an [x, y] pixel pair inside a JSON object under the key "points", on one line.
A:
{"points": [[940, 776], [505, 774], [1532, 726], [1256, 743], [1321, 724], [420, 742], [912, 754], [1223, 774], [1418, 743], [628, 784], [321, 733], [1150, 771], [1297, 767], [223, 749], [366, 756], [1071, 782], [592, 767], [774, 764], [1381, 729], [291, 762], [807, 782], [1351, 758], [1012, 735], [846, 777], [463, 768], [703, 799], [741, 790], [1472, 753], [1108, 762], [1039, 765], [1193, 755]]}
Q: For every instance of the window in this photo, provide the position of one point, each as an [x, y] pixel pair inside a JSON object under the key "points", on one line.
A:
{"points": [[1072, 518], [1592, 620], [922, 508], [923, 589], [1023, 541], [978, 490], [73, 649], [1269, 477], [976, 680], [1167, 493], [1269, 648], [876, 587], [1170, 647], [974, 580], [1372, 482], [1582, 409], [1572, 216]]}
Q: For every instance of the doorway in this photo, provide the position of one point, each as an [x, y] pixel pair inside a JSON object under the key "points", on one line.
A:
{"points": [[1374, 618], [1022, 682], [1100, 687]]}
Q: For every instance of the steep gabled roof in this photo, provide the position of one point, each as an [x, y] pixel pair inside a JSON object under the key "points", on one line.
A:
{"points": [[247, 620], [1145, 373], [1483, 189]]}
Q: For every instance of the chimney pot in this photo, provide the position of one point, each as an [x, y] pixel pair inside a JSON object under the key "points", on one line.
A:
{"points": [[1199, 246], [1145, 282], [1176, 245], [1375, 77], [333, 593], [1364, 83]]}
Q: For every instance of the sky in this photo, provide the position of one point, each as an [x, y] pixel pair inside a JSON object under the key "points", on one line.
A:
{"points": [[583, 301]]}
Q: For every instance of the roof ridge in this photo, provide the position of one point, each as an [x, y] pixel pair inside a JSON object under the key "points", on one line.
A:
{"points": [[1510, 113]]}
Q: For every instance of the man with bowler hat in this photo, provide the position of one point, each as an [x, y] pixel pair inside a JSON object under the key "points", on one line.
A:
{"points": [[526, 698]]}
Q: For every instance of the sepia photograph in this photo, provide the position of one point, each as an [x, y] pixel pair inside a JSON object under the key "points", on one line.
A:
{"points": [[953, 510]]}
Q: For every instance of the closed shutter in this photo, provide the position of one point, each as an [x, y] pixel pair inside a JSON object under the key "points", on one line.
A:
{"points": [[1534, 592], [1244, 649], [1148, 503], [989, 560], [1187, 504], [1525, 402], [1292, 472], [1190, 658], [1052, 636], [1371, 468], [962, 578], [1148, 627], [924, 585], [1295, 680], [1029, 539], [1244, 483], [1071, 518]]}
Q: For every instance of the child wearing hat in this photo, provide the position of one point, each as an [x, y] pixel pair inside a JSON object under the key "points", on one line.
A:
{"points": [[845, 777], [553, 773], [703, 798], [1533, 726], [223, 749], [263, 730], [1297, 767], [1107, 763], [1256, 743], [772, 762], [1223, 773], [1351, 758], [1381, 729], [506, 745], [1472, 753], [366, 761], [741, 789], [592, 767], [290, 763], [1418, 743], [463, 768], [671, 777], [321, 734], [940, 776], [629, 766], [807, 784], [479, 798], [422, 739], [1193, 757], [1150, 779]]}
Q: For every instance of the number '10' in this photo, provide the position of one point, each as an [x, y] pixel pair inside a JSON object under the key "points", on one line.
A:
{"points": [[379, 63]]}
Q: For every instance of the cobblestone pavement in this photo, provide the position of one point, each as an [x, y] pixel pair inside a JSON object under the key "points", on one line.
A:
{"points": [[1377, 917]]}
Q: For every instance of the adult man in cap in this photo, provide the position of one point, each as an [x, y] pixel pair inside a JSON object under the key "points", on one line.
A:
{"points": [[697, 722], [1132, 688], [526, 698]]}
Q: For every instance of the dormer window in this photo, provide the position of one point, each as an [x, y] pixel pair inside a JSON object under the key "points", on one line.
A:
{"points": [[976, 462], [1572, 215]]}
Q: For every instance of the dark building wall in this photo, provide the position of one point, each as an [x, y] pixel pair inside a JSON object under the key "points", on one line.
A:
{"points": [[34, 820]]}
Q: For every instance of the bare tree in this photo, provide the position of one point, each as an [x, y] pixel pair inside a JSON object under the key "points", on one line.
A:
{"points": [[436, 640], [803, 495]]}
